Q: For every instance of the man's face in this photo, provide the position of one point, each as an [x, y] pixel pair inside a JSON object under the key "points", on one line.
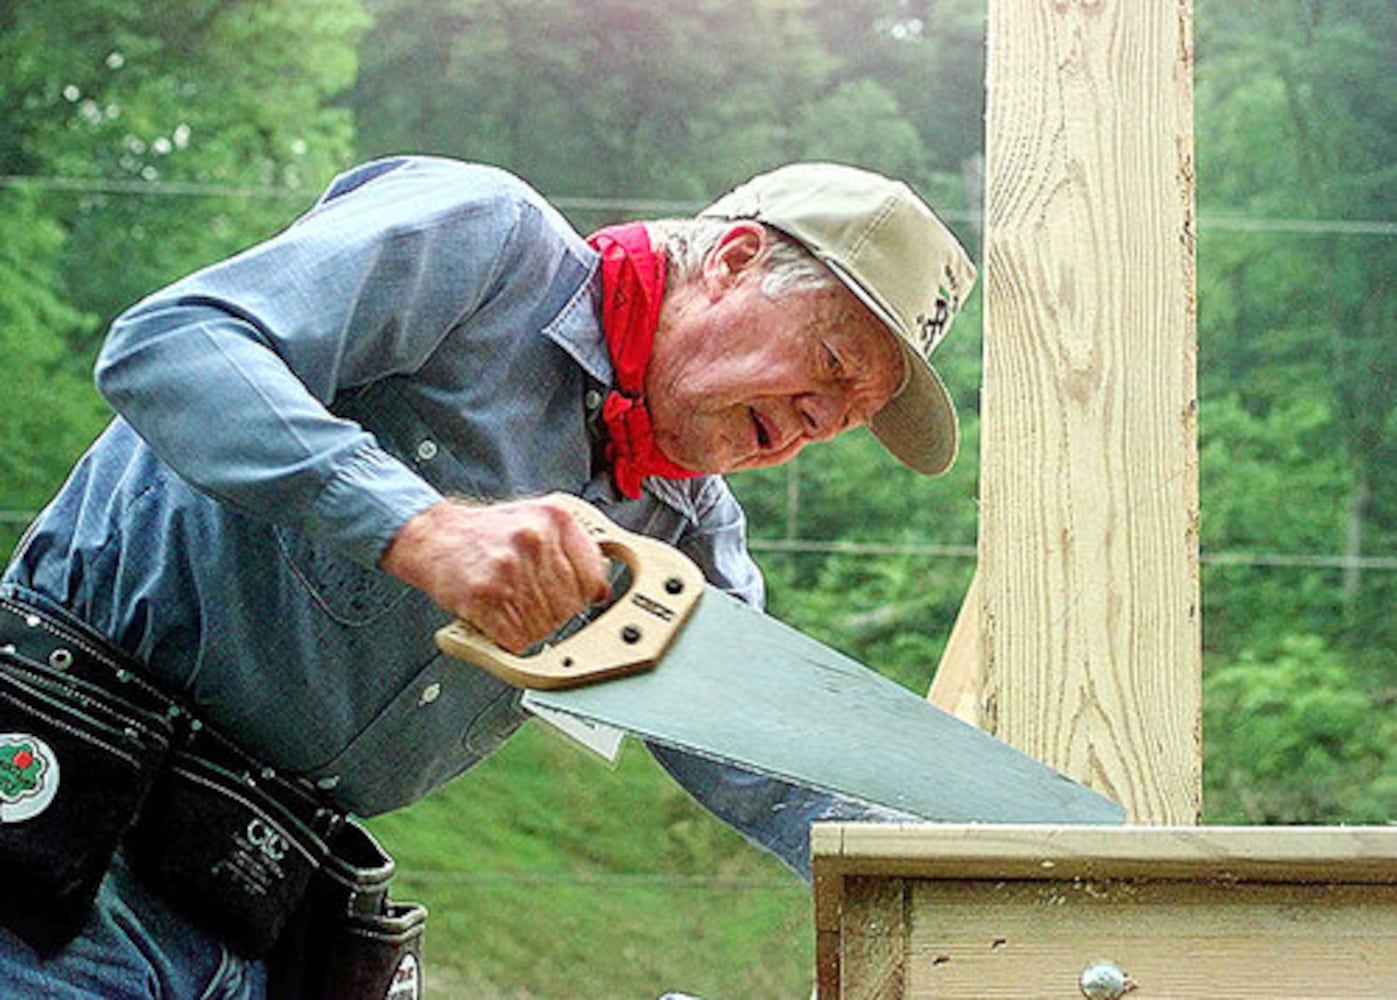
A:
{"points": [[740, 381]]}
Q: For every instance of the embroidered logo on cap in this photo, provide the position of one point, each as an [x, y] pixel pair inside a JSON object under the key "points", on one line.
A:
{"points": [[28, 776], [407, 980], [930, 329]]}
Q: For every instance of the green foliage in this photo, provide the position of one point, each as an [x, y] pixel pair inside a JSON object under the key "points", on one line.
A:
{"points": [[1296, 107], [48, 411], [1284, 452], [125, 99], [680, 100], [1293, 738], [889, 607], [187, 93]]}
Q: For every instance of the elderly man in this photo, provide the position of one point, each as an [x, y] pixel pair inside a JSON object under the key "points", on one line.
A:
{"points": [[216, 642]]}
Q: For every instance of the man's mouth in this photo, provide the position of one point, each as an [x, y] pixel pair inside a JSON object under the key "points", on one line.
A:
{"points": [[763, 432]]}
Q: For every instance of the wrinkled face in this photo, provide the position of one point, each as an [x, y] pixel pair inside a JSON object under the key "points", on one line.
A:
{"points": [[741, 381]]}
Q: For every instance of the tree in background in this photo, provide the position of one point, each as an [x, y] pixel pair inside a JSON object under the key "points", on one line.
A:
{"points": [[119, 100], [143, 96], [626, 98], [49, 409], [1297, 120], [1301, 741]]}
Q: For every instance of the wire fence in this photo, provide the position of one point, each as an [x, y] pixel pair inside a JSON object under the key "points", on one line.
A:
{"points": [[624, 880], [648, 206], [810, 547]]}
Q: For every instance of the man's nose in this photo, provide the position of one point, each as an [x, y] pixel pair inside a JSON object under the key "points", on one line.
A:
{"points": [[823, 414]]}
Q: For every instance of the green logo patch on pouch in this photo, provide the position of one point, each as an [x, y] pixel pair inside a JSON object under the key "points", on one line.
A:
{"points": [[28, 776]]}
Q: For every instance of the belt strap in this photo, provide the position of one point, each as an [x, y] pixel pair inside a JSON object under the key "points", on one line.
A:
{"points": [[78, 651], [73, 649]]}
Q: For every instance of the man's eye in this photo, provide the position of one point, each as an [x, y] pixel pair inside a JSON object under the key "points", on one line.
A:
{"points": [[832, 363]]}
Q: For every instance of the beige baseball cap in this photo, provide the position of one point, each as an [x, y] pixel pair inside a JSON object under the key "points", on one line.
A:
{"points": [[891, 250]]}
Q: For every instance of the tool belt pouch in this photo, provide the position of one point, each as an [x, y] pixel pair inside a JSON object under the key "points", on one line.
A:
{"points": [[350, 939], [219, 846], [76, 762]]}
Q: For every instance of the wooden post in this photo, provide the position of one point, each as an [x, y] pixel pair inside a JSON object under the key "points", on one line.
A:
{"points": [[1089, 623]]}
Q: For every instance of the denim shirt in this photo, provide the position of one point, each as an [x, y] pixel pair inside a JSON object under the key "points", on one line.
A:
{"points": [[428, 328]]}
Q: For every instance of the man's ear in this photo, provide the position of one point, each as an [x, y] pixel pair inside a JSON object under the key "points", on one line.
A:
{"points": [[739, 250]]}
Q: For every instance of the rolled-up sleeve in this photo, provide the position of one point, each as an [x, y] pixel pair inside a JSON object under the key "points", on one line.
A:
{"points": [[229, 374]]}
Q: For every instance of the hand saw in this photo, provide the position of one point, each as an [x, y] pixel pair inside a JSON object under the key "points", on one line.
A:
{"points": [[681, 663]]}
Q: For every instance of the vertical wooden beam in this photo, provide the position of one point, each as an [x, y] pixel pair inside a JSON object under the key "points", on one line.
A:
{"points": [[958, 683], [1089, 500]]}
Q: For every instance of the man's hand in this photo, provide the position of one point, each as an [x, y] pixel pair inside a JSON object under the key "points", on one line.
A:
{"points": [[516, 571]]}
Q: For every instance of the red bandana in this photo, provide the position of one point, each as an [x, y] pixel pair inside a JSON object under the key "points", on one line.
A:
{"points": [[633, 284]]}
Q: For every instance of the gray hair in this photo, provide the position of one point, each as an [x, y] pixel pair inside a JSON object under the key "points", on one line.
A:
{"points": [[789, 266]]}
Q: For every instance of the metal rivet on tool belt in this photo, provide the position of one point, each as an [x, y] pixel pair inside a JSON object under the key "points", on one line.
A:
{"points": [[60, 659], [328, 782], [429, 694], [32, 621], [427, 450], [1104, 980]]}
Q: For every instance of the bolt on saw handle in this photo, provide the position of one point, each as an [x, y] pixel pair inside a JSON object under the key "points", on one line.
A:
{"points": [[628, 637]]}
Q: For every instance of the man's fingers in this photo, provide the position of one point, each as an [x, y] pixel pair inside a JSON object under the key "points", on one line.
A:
{"points": [[516, 571], [591, 569], [553, 572]]}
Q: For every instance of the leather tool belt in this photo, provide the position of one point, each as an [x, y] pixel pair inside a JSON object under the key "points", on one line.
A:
{"points": [[94, 758]]}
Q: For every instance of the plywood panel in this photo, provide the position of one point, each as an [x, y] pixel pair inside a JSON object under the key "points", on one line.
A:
{"points": [[1089, 498], [1175, 939]]}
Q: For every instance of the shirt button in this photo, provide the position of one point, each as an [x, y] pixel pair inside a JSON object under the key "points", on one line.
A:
{"points": [[429, 694], [427, 450], [592, 400]]}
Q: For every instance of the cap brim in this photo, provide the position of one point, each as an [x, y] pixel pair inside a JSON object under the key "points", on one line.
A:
{"points": [[919, 424]]}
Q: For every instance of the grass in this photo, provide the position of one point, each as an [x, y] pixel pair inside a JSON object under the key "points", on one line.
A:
{"points": [[550, 875]]}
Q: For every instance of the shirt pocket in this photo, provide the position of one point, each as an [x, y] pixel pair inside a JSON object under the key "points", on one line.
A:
{"points": [[349, 594], [448, 718]]}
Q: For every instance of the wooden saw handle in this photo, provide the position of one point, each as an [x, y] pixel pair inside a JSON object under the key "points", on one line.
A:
{"points": [[628, 637]]}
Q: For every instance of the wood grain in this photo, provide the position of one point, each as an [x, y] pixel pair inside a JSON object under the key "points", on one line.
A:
{"points": [[1183, 940], [959, 679], [1327, 854], [1089, 496]]}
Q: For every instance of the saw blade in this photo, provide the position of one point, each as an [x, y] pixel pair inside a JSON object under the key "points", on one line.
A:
{"points": [[740, 687]]}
